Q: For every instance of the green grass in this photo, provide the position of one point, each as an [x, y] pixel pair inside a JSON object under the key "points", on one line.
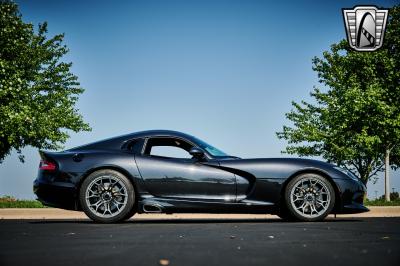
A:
{"points": [[382, 202], [11, 202]]}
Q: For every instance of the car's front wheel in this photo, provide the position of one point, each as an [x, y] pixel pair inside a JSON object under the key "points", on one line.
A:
{"points": [[107, 196], [309, 197]]}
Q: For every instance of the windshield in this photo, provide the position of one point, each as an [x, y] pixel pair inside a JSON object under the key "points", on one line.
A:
{"points": [[210, 149]]}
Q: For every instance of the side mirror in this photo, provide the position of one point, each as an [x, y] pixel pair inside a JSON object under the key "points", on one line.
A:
{"points": [[196, 153]]}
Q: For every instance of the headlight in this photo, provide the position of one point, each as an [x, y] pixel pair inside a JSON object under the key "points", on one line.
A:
{"points": [[347, 172]]}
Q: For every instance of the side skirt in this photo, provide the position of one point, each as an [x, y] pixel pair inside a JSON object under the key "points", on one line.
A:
{"points": [[168, 205]]}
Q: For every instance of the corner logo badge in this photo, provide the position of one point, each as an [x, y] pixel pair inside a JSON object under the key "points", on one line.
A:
{"points": [[365, 27]]}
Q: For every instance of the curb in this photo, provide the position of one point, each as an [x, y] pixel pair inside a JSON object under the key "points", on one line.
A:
{"points": [[55, 214]]}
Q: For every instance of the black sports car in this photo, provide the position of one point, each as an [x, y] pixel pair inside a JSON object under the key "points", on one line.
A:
{"points": [[170, 172]]}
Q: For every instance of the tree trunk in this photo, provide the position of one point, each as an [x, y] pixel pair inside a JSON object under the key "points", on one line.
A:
{"points": [[387, 181]]}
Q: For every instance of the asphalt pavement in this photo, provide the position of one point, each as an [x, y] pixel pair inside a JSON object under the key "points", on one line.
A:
{"points": [[356, 241]]}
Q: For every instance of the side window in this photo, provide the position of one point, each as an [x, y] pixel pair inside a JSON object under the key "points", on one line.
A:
{"points": [[168, 148], [136, 146], [170, 152]]}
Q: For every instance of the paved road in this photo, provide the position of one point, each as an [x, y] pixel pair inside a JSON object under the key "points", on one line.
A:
{"points": [[365, 241]]}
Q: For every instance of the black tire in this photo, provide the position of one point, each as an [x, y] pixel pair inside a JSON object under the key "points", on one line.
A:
{"points": [[131, 213], [121, 201], [284, 214], [317, 202]]}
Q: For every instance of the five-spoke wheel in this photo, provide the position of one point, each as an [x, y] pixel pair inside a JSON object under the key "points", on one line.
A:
{"points": [[107, 196]]}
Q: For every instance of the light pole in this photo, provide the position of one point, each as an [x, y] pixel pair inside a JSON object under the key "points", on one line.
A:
{"points": [[376, 194]]}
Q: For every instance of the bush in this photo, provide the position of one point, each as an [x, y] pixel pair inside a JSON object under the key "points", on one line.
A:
{"points": [[381, 202], [11, 202]]}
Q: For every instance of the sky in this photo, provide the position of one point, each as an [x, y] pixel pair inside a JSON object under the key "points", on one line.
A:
{"points": [[224, 71]]}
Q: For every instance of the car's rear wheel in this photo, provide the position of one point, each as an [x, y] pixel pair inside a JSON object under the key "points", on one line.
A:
{"points": [[107, 196], [309, 197]]}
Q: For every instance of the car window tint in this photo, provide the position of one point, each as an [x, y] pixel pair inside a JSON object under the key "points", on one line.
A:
{"points": [[136, 146], [170, 151]]}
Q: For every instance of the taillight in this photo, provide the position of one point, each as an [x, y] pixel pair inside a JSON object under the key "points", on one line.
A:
{"points": [[47, 165]]}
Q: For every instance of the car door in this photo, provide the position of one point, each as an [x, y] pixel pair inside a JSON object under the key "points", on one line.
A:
{"points": [[173, 173]]}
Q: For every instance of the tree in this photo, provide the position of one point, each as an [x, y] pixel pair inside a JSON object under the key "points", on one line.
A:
{"points": [[37, 90], [354, 120]]}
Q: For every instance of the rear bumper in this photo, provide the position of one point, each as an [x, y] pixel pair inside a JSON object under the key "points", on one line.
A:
{"points": [[56, 194]]}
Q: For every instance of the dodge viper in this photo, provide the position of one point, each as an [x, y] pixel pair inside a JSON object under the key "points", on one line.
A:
{"points": [[163, 171]]}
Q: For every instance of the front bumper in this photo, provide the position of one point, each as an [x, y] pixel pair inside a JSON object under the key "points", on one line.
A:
{"points": [[354, 208], [56, 194], [352, 195]]}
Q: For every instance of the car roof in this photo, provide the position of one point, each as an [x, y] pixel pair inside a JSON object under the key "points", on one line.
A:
{"points": [[159, 132], [117, 142]]}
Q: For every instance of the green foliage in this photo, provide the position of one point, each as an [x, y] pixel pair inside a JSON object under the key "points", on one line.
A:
{"points": [[356, 116], [382, 202], [37, 90], [11, 202], [393, 196]]}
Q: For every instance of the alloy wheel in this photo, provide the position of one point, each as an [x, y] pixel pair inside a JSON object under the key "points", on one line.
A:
{"points": [[106, 196], [310, 197]]}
